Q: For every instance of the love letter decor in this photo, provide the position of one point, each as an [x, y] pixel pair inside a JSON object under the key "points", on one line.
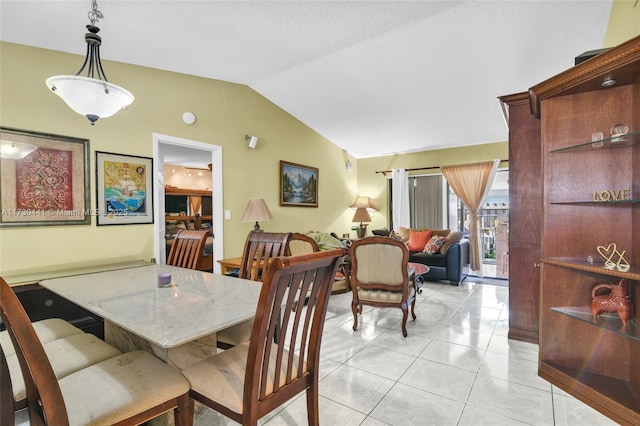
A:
{"points": [[613, 258], [612, 195]]}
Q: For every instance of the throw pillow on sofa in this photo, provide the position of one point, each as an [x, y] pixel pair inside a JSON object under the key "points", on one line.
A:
{"points": [[434, 244], [418, 239], [451, 238], [403, 233]]}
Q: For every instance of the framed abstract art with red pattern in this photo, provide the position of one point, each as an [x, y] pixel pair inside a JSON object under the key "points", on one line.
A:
{"points": [[44, 179]]}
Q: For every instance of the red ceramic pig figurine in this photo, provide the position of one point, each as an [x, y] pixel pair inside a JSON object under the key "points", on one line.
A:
{"points": [[617, 300]]}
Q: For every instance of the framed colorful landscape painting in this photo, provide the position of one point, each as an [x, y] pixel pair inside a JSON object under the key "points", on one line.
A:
{"points": [[298, 185]]}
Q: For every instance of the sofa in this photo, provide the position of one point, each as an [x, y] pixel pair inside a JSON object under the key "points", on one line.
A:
{"points": [[452, 266], [448, 261]]}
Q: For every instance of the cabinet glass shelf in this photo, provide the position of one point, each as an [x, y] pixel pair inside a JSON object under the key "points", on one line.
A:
{"points": [[609, 321], [629, 139], [633, 273]]}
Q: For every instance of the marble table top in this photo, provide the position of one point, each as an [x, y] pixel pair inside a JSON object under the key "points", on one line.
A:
{"points": [[194, 305]]}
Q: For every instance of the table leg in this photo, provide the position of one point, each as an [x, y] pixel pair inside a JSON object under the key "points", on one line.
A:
{"points": [[179, 357]]}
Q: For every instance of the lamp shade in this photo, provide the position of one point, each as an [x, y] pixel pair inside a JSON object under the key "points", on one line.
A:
{"points": [[362, 215], [90, 97], [15, 150], [257, 211], [364, 202]]}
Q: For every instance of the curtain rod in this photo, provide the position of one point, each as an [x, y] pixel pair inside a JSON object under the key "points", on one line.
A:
{"points": [[384, 172]]}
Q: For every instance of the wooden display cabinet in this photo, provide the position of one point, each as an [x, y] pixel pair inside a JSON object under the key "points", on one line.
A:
{"points": [[525, 217], [595, 360]]}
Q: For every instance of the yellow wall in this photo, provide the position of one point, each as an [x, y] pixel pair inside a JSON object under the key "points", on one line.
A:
{"points": [[624, 22], [225, 113], [375, 185]]}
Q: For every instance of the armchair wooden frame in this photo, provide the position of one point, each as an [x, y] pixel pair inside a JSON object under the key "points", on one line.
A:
{"points": [[187, 248], [380, 265], [46, 403], [282, 358], [301, 244]]}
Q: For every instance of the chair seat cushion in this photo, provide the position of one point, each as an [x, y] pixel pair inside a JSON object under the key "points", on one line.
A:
{"points": [[66, 355], [384, 296], [237, 334], [120, 387], [339, 285], [47, 330], [221, 377]]}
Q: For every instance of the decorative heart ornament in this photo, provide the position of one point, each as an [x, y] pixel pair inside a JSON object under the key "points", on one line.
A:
{"points": [[607, 253]]}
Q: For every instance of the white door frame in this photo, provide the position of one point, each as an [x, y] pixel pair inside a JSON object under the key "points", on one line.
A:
{"points": [[158, 195]]}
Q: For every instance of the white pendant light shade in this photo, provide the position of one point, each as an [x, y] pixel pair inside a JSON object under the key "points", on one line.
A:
{"points": [[15, 150], [95, 98], [90, 97]]}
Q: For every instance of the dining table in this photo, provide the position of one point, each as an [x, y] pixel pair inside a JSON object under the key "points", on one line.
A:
{"points": [[171, 312]]}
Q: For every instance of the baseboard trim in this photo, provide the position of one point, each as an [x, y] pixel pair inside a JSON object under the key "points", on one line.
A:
{"points": [[523, 335]]}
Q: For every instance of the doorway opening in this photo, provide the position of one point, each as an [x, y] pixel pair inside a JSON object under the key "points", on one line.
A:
{"points": [[494, 225], [187, 156]]}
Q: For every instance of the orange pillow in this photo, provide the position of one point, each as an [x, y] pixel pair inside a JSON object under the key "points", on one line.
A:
{"points": [[418, 239]]}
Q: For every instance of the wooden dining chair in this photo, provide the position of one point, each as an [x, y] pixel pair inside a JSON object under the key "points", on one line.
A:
{"points": [[380, 277], [248, 381], [259, 250], [187, 248], [129, 388]]}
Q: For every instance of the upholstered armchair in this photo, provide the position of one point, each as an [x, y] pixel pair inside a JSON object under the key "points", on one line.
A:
{"points": [[380, 277]]}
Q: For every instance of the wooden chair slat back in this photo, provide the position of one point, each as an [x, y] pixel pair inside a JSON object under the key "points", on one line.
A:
{"points": [[7, 408], [259, 249], [284, 351], [187, 248], [44, 398]]}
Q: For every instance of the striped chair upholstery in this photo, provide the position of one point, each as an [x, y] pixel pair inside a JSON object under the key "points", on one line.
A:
{"points": [[380, 277]]}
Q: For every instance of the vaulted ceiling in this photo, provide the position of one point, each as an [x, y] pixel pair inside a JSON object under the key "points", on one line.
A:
{"points": [[373, 77]]}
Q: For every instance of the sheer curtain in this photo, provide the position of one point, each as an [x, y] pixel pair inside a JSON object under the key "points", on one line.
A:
{"points": [[400, 201], [471, 183]]}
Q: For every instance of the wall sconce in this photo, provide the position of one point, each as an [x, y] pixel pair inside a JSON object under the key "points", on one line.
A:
{"points": [[349, 165], [252, 140], [256, 210]]}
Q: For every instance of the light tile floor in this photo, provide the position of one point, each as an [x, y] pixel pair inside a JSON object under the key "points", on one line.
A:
{"points": [[455, 367]]}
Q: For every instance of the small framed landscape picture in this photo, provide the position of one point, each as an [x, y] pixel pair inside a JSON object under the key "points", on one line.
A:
{"points": [[123, 189], [298, 185]]}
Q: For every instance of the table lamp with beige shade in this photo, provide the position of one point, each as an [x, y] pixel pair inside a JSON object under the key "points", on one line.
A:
{"points": [[257, 211], [362, 205]]}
